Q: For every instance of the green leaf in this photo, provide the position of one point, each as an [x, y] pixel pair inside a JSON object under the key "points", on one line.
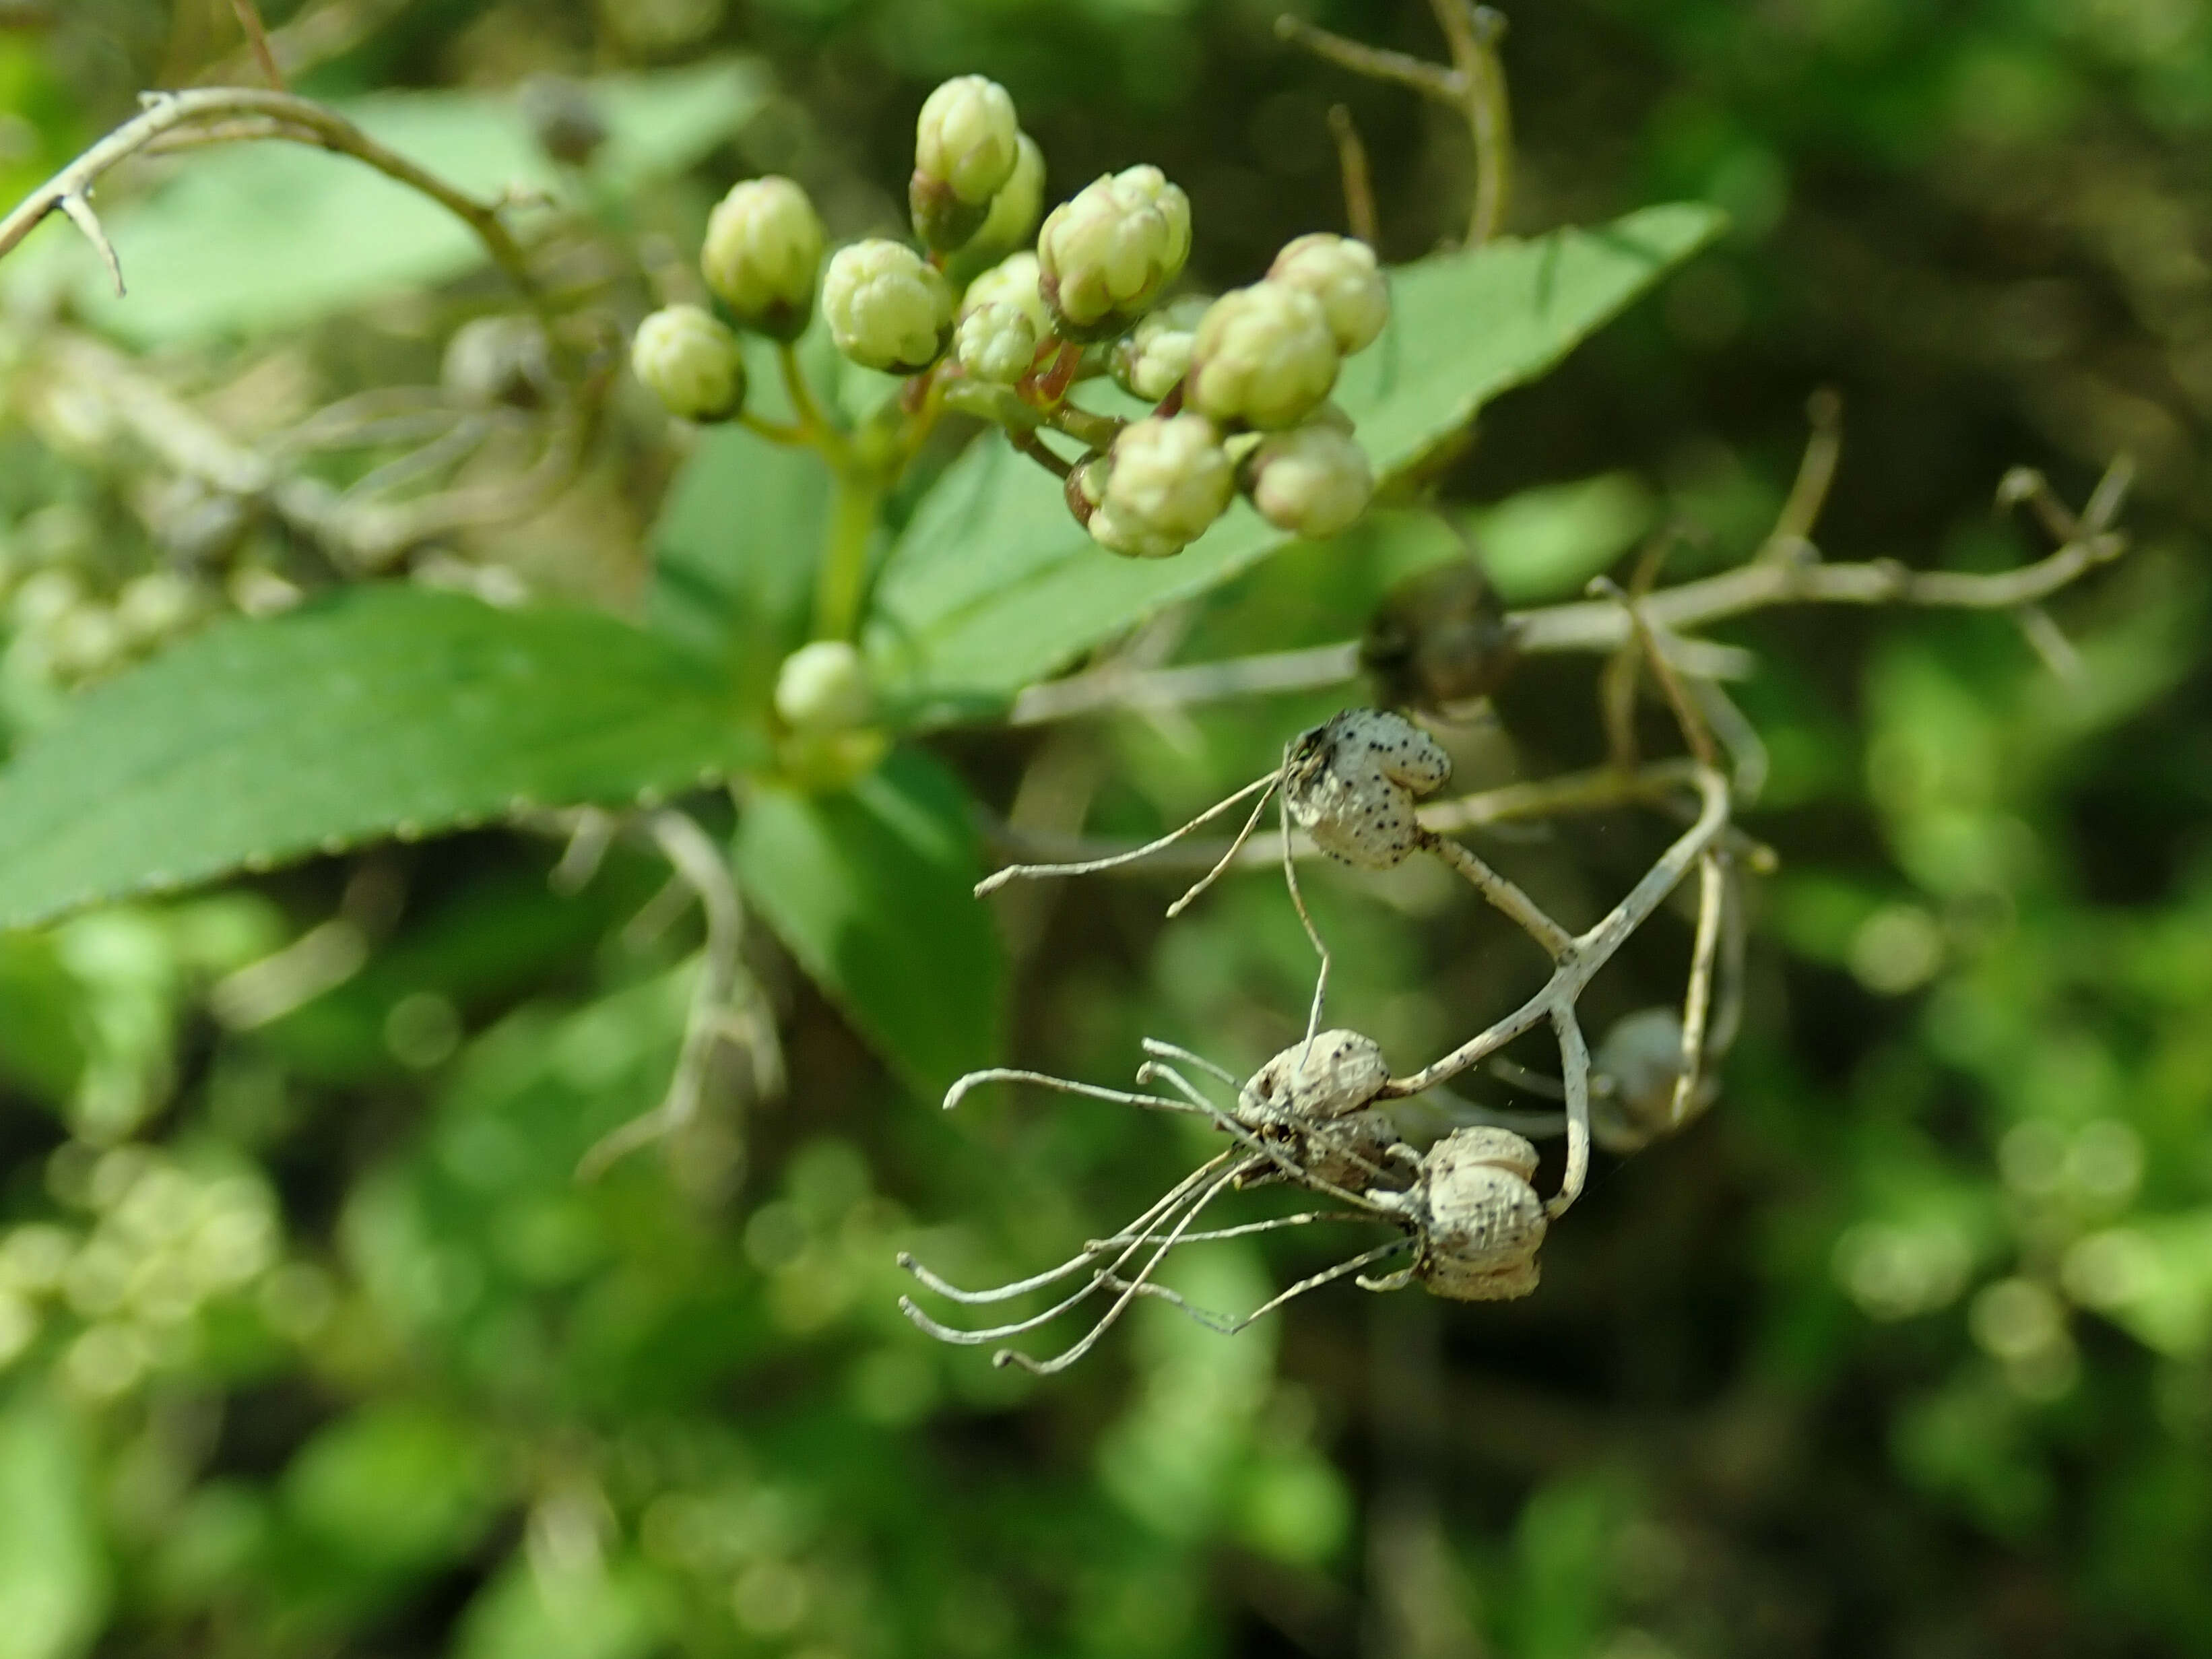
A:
{"points": [[871, 888], [734, 554], [265, 236], [994, 586], [380, 711], [54, 1571]]}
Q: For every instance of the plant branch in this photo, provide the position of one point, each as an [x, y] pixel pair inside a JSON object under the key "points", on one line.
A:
{"points": [[298, 120], [257, 37], [1602, 625]]}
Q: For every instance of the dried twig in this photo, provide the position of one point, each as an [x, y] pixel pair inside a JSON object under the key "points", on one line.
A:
{"points": [[1359, 180], [1601, 626], [294, 119], [257, 37]]}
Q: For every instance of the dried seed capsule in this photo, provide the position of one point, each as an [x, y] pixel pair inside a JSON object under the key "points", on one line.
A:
{"points": [[1315, 1102], [1340, 272], [498, 360], [1264, 357], [1312, 481], [1167, 480], [1350, 784], [763, 253], [1638, 1063], [824, 686], [1441, 640], [1479, 1221], [1107, 253], [886, 308], [562, 117], [692, 361]]}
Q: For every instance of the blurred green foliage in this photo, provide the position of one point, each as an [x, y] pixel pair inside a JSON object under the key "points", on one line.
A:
{"points": [[310, 1341]]}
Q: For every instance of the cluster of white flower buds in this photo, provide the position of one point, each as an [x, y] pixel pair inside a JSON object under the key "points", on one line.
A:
{"points": [[1240, 385]]}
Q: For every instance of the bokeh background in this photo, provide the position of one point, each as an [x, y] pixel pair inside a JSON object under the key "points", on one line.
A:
{"points": [[312, 1344]]}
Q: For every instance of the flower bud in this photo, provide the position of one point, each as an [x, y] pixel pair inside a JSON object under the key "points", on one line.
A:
{"points": [[1166, 481], [1156, 355], [1312, 481], [967, 136], [692, 361], [1012, 282], [1106, 254], [965, 147], [1264, 357], [763, 253], [1012, 219], [996, 343], [886, 308], [824, 686], [1340, 272]]}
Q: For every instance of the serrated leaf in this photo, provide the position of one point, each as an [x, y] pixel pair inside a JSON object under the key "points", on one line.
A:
{"points": [[994, 586], [871, 888], [381, 710], [268, 235]]}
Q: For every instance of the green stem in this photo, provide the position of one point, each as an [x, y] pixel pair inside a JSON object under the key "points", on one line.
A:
{"points": [[843, 577]]}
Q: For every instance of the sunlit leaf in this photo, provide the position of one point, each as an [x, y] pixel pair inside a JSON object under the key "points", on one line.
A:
{"points": [[870, 888], [995, 586], [381, 711]]}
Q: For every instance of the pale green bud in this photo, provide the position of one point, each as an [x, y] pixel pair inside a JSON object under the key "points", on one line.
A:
{"points": [[763, 253], [692, 361], [967, 138], [886, 308], [1166, 481], [824, 686], [996, 343], [1340, 272], [1264, 357], [1156, 353], [1106, 254], [1012, 282], [1312, 481], [1015, 209]]}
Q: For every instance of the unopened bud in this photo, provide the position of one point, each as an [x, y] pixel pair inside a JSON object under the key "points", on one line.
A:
{"points": [[886, 308], [1340, 272], [1012, 219], [763, 253], [1107, 253], [1312, 481], [995, 342], [692, 361], [1168, 480], [1264, 357], [967, 135], [965, 145], [1156, 355], [1012, 282], [824, 686]]}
